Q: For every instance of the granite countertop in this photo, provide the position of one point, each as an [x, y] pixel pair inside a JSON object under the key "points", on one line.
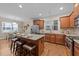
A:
{"points": [[76, 40], [72, 35], [32, 36], [51, 32]]}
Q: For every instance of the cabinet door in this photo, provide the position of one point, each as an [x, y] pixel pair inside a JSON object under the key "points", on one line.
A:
{"points": [[60, 39], [41, 46], [76, 49], [40, 23], [47, 37], [52, 38], [76, 11], [64, 22], [74, 14], [36, 22], [72, 23]]}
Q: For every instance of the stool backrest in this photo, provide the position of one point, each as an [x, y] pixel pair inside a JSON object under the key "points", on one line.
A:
{"points": [[29, 47]]}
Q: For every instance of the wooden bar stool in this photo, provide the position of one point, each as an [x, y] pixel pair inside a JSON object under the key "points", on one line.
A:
{"points": [[29, 49], [13, 44], [18, 49]]}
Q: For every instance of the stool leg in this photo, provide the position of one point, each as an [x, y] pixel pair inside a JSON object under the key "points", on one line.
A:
{"points": [[16, 50], [11, 46], [14, 47]]}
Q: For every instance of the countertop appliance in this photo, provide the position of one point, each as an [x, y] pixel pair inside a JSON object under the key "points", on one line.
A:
{"points": [[70, 45], [35, 29]]}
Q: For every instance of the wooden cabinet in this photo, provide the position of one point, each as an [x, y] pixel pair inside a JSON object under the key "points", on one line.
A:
{"points": [[72, 23], [55, 38], [52, 38], [47, 37], [40, 23], [76, 10], [64, 22], [73, 15], [69, 21], [41, 46], [76, 49], [60, 39]]}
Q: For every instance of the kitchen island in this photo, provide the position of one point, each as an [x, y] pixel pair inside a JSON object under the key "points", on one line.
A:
{"points": [[35, 39]]}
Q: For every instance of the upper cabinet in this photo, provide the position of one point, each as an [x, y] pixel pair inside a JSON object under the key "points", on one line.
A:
{"points": [[69, 21], [64, 22], [73, 15], [40, 23]]}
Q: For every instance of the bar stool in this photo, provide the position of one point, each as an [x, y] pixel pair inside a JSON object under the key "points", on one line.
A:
{"points": [[12, 48], [18, 49], [29, 49]]}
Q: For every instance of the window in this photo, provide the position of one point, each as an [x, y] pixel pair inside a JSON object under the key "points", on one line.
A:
{"points": [[51, 25], [55, 24], [48, 25], [9, 27]]}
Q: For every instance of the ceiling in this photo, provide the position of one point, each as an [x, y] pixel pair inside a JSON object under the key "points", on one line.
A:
{"points": [[34, 10]]}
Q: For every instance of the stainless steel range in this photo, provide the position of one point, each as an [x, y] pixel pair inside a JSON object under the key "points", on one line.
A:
{"points": [[70, 45]]}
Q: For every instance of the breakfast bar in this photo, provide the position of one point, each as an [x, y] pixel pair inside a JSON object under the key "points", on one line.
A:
{"points": [[35, 39]]}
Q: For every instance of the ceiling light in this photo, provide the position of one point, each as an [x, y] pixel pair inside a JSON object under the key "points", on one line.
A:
{"points": [[40, 14], [61, 8], [20, 6]]}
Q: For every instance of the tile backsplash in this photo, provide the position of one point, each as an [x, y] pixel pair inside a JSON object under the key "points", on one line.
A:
{"points": [[70, 31]]}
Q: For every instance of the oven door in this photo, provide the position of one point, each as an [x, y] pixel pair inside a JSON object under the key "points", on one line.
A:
{"points": [[69, 45]]}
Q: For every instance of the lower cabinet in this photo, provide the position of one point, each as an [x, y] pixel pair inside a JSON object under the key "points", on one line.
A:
{"points": [[55, 38], [60, 39], [76, 49], [47, 37], [52, 38], [41, 46]]}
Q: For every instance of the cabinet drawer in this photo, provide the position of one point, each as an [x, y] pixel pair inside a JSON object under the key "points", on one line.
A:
{"points": [[76, 51]]}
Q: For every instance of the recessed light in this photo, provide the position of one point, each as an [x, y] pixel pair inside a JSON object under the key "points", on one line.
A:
{"points": [[20, 6], [61, 8], [40, 14]]}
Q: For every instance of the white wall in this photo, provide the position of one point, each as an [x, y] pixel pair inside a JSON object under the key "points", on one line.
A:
{"points": [[30, 22], [3, 35]]}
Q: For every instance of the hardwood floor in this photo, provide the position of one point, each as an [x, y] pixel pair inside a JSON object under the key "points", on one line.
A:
{"points": [[49, 49], [54, 50], [5, 48]]}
